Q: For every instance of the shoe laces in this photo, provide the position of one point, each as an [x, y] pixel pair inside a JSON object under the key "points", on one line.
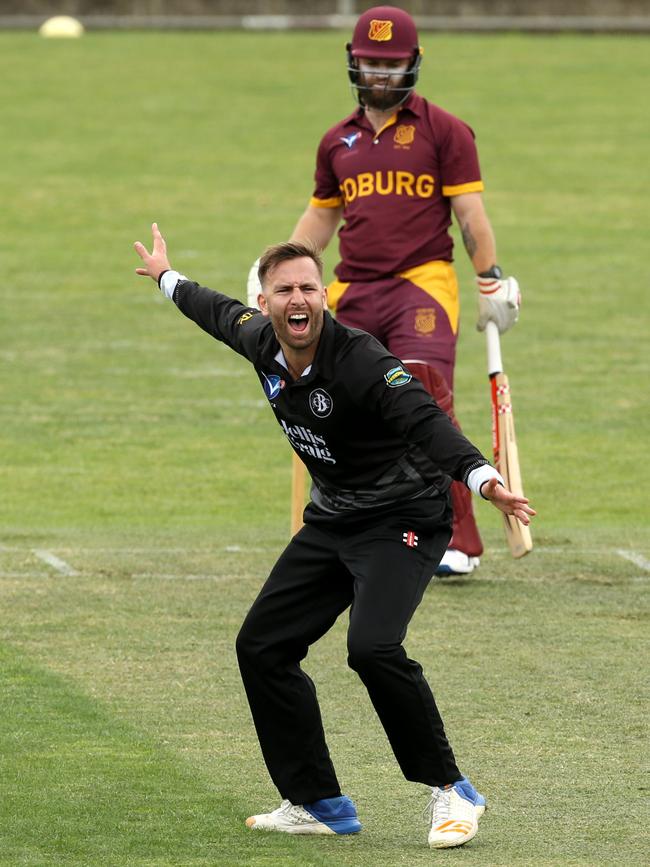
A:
{"points": [[439, 806], [294, 813]]}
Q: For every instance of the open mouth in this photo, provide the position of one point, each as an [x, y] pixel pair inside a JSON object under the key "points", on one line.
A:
{"points": [[298, 322]]}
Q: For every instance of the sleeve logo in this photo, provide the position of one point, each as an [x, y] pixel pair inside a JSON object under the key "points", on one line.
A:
{"points": [[349, 140], [245, 317], [397, 376]]}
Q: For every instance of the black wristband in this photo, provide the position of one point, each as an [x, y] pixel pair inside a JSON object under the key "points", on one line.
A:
{"points": [[495, 272]]}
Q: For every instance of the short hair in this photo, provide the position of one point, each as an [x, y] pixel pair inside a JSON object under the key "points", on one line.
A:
{"points": [[286, 251]]}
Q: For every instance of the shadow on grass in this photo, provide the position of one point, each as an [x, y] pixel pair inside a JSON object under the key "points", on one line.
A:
{"points": [[80, 786]]}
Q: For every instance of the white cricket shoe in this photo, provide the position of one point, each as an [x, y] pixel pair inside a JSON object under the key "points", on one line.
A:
{"points": [[328, 816], [455, 811], [456, 562]]}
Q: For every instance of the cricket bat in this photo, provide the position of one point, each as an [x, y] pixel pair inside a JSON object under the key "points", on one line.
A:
{"points": [[298, 476], [504, 441]]}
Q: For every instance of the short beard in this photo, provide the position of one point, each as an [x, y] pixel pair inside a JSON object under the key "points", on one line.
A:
{"points": [[385, 98], [381, 100]]}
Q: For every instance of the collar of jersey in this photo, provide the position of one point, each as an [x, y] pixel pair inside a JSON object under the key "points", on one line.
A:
{"points": [[282, 361]]}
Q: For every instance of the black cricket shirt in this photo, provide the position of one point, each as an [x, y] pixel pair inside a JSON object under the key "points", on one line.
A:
{"points": [[370, 435]]}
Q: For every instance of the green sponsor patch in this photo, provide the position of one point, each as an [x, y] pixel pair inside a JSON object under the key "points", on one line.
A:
{"points": [[397, 376]]}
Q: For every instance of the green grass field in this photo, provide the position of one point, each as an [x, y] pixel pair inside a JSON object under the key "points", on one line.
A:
{"points": [[142, 456]]}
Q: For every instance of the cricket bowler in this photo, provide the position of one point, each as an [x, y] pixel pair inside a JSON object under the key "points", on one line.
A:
{"points": [[381, 455]]}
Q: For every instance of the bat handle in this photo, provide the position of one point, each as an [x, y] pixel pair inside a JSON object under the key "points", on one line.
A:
{"points": [[494, 362]]}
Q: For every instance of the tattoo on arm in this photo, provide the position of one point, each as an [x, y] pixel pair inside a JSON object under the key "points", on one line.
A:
{"points": [[469, 240]]}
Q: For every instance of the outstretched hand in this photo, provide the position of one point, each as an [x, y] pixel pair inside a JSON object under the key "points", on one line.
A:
{"points": [[155, 262], [507, 502]]}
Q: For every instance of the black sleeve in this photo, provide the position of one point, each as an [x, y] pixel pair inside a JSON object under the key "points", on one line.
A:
{"points": [[224, 318], [409, 411]]}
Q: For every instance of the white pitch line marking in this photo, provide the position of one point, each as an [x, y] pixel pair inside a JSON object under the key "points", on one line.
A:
{"points": [[153, 576], [55, 562], [635, 558]]}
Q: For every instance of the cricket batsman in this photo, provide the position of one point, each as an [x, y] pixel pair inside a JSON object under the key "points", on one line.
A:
{"points": [[391, 174]]}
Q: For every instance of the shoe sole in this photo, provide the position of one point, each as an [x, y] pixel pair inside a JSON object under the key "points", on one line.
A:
{"points": [[344, 826], [450, 843], [338, 827], [445, 570]]}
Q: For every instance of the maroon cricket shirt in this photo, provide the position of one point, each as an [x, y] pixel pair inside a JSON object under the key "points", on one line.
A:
{"points": [[395, 187]]}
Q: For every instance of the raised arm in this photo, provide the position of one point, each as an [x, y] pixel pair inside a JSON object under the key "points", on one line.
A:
{"points": [[155, 262]]}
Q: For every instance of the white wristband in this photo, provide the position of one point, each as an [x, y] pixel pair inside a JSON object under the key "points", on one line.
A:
{"points": [[480, 476], [168, 283]]}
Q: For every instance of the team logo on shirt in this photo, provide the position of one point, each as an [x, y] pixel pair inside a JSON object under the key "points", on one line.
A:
{"points": [[273, 385], [410, 539], [349, 140], [397, 376], [320, 403], [404, 134], [380, 31], [246, 316], [425, 320]]}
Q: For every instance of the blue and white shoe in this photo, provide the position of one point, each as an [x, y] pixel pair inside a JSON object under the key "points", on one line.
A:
{"points": [[469, 792], [455, 811], [455, 562], [328, 816]]}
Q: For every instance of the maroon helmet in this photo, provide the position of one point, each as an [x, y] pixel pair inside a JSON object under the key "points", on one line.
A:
{"points": [[385, 33]]}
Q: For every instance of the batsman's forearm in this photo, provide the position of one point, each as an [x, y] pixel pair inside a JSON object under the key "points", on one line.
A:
{"points": [[476, 230], [480, 244], [317, 226]]}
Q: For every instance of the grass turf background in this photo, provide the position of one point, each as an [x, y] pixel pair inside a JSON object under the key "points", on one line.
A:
{"points": [[143, 454]]}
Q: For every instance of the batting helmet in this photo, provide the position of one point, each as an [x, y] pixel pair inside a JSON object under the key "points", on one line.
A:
{"points": [[385, 32]]}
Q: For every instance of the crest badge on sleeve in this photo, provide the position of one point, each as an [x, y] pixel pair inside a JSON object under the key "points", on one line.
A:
{"points": [[397, 376]]}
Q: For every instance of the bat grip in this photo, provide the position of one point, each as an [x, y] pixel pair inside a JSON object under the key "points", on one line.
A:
{"points": [[494, 362]]}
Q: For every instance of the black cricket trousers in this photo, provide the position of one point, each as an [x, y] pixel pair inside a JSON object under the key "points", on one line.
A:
{"points": [[382, 578]]}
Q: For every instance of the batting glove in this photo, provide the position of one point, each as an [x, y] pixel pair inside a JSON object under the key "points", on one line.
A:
{"points": [[499, 300], [253, 285]]}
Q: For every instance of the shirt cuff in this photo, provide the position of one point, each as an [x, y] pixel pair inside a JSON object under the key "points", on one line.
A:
{"points": [[481, 475], [168, 282]]}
